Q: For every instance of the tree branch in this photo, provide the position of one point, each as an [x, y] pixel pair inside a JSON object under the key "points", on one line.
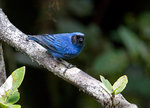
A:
{"points": [[2, 66], [14, 37]]}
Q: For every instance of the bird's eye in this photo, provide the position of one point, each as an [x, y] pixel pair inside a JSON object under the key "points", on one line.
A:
{"points": [[77, 40], [81, 39]]}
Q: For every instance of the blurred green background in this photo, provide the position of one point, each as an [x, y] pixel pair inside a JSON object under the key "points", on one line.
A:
{"points": [[117, 43]]}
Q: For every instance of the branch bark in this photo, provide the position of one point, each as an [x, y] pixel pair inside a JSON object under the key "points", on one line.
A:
{"points": [[2, 66], [14, 37]]}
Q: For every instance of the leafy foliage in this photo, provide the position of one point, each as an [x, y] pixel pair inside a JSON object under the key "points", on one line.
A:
{"points": [[107, 84], [9, 94], [117, 87], [120, 85]]}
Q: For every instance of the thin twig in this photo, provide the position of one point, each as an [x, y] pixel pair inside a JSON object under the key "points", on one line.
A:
{"points": [[2, 66]]}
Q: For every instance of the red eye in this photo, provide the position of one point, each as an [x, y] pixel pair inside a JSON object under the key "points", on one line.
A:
{"points": [[77, 40], [75, 37]]}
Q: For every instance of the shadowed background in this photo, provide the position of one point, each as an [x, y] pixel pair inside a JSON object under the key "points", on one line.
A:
{"points": [[117, 43]]}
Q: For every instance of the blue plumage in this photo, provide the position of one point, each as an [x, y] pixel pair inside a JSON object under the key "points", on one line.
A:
{"points": [[65, 45]]}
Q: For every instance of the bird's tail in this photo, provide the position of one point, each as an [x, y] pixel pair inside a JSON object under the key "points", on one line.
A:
{"points": [[38, 39], [35, 38], [32, 37]]}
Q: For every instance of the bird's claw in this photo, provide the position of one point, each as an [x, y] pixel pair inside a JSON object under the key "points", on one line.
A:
{"points": [[67, 65]]}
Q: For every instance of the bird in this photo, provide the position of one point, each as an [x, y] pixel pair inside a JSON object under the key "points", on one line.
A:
{"points": [[61, 46]]}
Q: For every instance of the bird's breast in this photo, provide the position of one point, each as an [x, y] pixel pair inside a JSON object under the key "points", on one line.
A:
{"points": [[71, 52]]}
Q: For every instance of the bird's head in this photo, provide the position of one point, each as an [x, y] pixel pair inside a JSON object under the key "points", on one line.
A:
{"points": [[78, 39]]}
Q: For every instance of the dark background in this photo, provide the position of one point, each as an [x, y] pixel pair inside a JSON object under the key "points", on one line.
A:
{"points": [[117, 43]]}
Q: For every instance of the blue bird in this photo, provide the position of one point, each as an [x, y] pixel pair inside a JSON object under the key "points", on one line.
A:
{"points": [[64, 45]]}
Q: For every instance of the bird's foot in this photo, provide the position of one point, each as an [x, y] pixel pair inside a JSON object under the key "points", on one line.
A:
{"points": [[66, 64]]}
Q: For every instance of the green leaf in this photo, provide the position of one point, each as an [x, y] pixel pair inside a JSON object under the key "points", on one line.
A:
{"points": [[13, 98], [5, 88], [106, 83], [120, 84], [3, 105], [14, 106], [18, 76], [9, 89], [9, 106]]}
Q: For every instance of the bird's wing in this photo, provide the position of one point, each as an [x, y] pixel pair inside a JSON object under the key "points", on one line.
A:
{"points": [[55, 43], [51, 42]]}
